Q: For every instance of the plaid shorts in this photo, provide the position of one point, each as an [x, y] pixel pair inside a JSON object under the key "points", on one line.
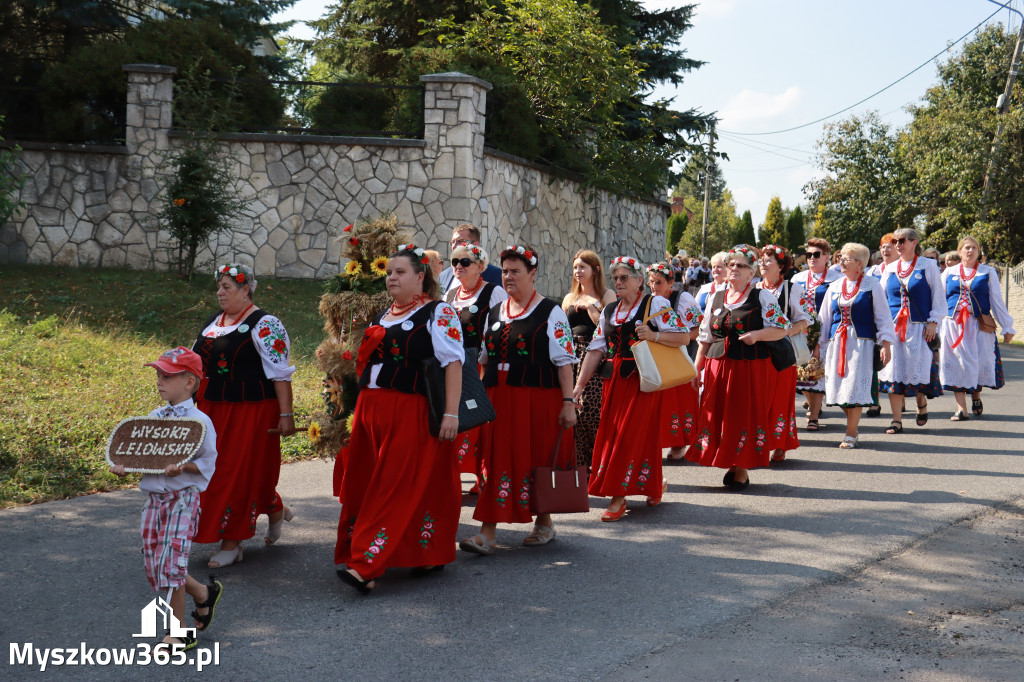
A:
{"points": [[169, 522]]}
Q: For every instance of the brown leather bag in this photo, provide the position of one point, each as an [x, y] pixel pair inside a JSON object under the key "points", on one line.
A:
{"points": [[986, 323], [559, 491]]}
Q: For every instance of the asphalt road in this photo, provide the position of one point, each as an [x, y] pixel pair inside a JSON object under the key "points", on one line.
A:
{"points": [[901, 559]]}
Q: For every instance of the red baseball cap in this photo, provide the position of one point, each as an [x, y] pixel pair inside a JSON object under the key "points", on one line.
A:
{"points": [[178, 360]]}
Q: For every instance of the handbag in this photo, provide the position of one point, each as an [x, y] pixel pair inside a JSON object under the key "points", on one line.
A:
{"points": [[876, 358], [782, 354], [661, 367], [559, 491], [986, 323], [800, 349], [474, 406]]}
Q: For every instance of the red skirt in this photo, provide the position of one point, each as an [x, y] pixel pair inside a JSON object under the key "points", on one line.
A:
{"points": [[521, 438], [680, 406], [244, 484], [734, 409], [400, 490], [627, 448], [782, 412], [467, 448]]}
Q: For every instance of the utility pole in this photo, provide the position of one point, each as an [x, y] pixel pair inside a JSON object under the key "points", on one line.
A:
{"points": [[707, 192], [1003, 107]]}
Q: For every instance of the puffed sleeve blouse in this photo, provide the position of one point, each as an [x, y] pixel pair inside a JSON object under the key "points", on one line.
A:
{"points": [[688, 311], [445, 335], [772, 314], [271, 341], [667, 322], [884, 329], [560, 348]]}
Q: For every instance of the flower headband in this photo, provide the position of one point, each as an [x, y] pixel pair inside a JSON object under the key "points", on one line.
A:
{"points": [[417, 253], [473, 249], [775, 250], [234, 271], [530, 256], [745, 251], [626, 262], [661, 269]]}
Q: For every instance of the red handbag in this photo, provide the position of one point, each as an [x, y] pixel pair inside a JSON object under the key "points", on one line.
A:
{"points": [[559, 491]]}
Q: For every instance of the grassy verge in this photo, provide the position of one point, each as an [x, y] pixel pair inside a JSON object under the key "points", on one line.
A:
{"points": [[72, 344]]}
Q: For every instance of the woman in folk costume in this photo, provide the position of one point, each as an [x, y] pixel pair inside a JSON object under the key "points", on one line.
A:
{"points": [[472, 297], [719, 273], [627, 450], [400, 491], [815, 282], [887, 249], [739, 378], [528, 357], [854, 318], [797, 306], [913, 289], [969, 356], [679, 404]]}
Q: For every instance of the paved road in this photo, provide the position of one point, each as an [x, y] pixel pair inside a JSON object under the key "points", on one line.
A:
{"points": [[810, 574]]}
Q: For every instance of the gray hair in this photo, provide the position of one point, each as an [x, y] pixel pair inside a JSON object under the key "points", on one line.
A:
{"points": [[250, 276], [720, 257], [467, 250]]}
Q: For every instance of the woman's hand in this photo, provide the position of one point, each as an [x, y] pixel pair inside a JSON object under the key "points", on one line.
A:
{"points": [[583, 303], [286, 426], [449, 428], [886, 352], [1007, 338], [577, 396], [750, 338], [567, 415], [816, 353], [929, 331], [644, 333]]}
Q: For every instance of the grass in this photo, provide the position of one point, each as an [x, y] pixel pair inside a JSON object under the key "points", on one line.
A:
{"points": [[72, 345]]}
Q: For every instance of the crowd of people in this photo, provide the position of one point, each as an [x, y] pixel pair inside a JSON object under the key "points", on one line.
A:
{"points": [[565, 385]]}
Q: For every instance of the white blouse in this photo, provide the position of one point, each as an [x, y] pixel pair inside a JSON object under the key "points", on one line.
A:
{"points": [[771, 313], [884, 329], [929, 269], [271, 341], [667, 322], [498, 295], [995, 295], [801, 307], [445, 335], [560, 348], [688, 311]]}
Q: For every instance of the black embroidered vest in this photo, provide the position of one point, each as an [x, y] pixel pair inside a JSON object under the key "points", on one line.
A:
{"points": [[401, 353], [233, 367], [728, 325], [621, 338], [523, 344], [473, 322]]}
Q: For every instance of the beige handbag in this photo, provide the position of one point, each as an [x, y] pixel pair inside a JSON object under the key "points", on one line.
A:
{"points": [[661, 367]]}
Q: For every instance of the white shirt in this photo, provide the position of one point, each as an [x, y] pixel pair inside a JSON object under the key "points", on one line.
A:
{"points": [[271, 341], [667, 322], [445, 335], [771, 313], [205, 460], [560, 348]]}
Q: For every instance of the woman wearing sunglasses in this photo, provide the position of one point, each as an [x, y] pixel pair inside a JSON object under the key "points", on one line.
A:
{"points": [[815, 282], [969, 357], [913, 289], [471, 297]]}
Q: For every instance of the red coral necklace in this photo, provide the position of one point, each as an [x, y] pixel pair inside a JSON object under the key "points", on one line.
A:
{"points": [[965, 278], [899, 268], [397, 311], [849, 295], [811, 285], [237, 319], [469, 294], [622, 320], [508, 307]]}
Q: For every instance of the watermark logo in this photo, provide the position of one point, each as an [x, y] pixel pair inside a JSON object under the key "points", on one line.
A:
{"points": [[158, 611]]}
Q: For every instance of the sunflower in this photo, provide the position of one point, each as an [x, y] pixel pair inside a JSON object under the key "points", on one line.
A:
{"points": [[314, 433], [350, 422], [353, 267], [379, 266]]}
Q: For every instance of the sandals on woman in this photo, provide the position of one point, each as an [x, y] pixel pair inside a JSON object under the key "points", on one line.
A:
{"points": [[274, 529], [364, 587], [478, 544], [977, 407], [895, 427], [610, 515], [226, 557], [655, 501], [778, 456], [540, 535], [959, 416], [922, 418], [214, 590], [849, 442], [812, 425]]}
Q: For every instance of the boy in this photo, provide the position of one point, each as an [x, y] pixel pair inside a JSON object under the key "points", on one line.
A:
{"points": [[171, 514]]}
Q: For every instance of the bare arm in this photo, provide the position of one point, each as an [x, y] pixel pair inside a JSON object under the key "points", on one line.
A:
{"points": [[283, 390], [567, 415], [452, 398]]}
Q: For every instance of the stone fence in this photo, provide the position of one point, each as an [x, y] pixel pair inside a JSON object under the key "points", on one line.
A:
{"points": [[91, 206]]}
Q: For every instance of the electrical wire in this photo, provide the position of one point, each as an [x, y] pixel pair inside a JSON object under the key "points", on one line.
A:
{"points": [[766, 151], [856, 104]]}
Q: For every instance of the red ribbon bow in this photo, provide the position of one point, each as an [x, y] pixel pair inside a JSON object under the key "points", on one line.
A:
{"points": [[372, 337]]}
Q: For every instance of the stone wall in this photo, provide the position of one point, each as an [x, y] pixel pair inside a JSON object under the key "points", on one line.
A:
{"points": [[95, 206]]}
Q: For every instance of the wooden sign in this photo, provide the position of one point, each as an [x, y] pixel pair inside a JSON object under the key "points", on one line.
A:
{"points": [[146, 445]]}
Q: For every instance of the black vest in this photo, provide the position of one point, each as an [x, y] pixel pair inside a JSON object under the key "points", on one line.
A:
{"points": [[523, 344], [233, 366], [621, 338], [728, 325], [473, 323], [401, 353]]}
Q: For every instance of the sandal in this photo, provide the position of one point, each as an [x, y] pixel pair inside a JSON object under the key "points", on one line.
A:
{"points": [[226, 557], [186, 642], [976, 407], [274, 529], [959, 416], [778, 456], [922, 418], [214, 590], [812, 425], [895, 427], [849, 442], [874, 410], [540, 535], [676, 454], [610, 515], [364, 587], [655, 501], [478, 544]]}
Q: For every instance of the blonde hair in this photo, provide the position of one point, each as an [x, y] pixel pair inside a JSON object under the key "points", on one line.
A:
{"points": [[856, 251], [964, 240]]}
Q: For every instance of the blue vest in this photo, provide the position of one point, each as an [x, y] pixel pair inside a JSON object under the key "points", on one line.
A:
{"points": [[819, 291], [920, 295], [862, 315], [980, 303]]}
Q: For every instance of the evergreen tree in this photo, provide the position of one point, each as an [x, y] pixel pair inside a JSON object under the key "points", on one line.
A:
{"points": [[795, 234], [773, 229], [676, 226], [745, 230], [691, 184]]}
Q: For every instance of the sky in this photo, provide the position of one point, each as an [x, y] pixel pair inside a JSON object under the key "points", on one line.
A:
{"points": [[777, 64]]}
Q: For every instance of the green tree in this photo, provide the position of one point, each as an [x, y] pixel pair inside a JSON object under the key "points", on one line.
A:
{"points": [[773, 229], [743, 232], [691, 182], [865, 190], [795, 233], [676, 227], [10, 181], [721, 225]]}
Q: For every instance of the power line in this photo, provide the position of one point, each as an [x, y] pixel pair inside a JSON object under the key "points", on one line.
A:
{"points": [[762, 149], [766, 151], [856, 104], [768, 170]]}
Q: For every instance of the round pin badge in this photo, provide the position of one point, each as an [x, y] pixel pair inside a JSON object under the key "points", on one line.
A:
{"points": [[473, 309], [243, 328], [956, 277], [496, 326], [718, 311], [917, 276], [407, 325]]}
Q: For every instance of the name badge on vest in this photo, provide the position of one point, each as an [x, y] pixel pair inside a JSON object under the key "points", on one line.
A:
{"points": [[718, 311], [473, 309], [407, 325], [956, 277], [243, 328], [917, 276], [496, 326]]}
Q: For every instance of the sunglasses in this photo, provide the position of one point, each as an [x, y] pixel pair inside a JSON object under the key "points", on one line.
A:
{"points": [[464, 262], [902, 240], [620, 278], [812, 254]]}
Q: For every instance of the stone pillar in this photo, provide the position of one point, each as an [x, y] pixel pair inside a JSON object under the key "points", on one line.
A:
{"points": [[454, 118]]}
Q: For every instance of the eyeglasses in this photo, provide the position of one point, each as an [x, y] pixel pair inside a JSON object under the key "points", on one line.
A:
{"points": [[620, 278], [733, 266], [464, 262], [813, 254], [848, 259]]}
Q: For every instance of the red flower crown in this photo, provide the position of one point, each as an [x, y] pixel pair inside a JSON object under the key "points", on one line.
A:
{"points": [[530, 256], [661, 269], [626, 262], [419, 254], [233, 271]]}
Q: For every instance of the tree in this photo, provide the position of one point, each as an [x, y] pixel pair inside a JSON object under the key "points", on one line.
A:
{"points": [[865, 191], [795, 234], [773, 229], [744, 230], [721, 224], [691, 182], [676, 227]]}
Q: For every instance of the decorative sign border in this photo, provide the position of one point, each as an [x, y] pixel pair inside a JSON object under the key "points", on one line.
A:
{"points": [[170, 420]]}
